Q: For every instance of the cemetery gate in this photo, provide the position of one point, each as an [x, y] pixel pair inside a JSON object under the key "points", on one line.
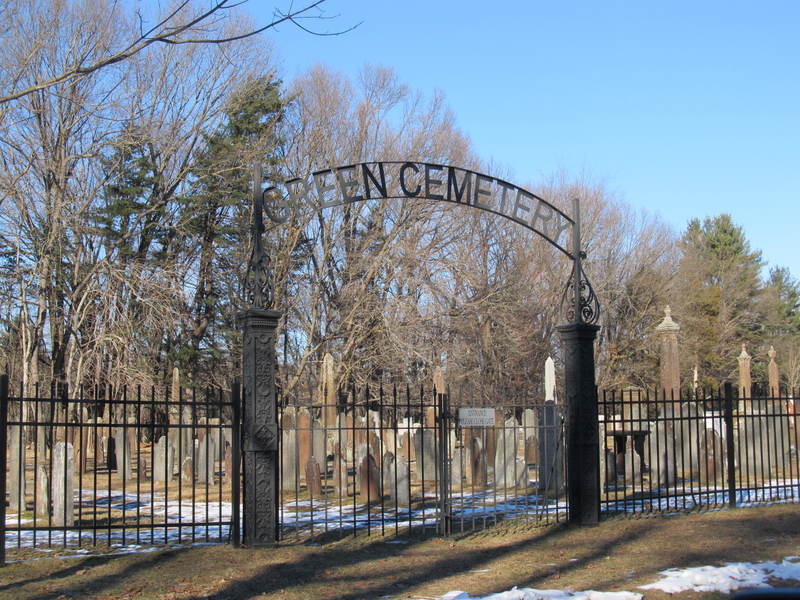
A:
{"points": [[408, 180]]}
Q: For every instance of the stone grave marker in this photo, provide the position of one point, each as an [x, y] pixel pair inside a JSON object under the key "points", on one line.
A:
{"points": [[206, 460], [477, 473], [661, 454], [163, 460], [16, 465], [122, 448], [63, 485], [369, 479], [425, 451], [42, 507], [507, 472], [530, 429], [313, 478]]}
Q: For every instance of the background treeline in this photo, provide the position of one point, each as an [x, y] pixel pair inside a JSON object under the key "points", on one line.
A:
{"points": [[124, 232]]}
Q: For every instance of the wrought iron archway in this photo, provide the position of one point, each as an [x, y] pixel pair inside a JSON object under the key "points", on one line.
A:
{"points": [[408, 180]]}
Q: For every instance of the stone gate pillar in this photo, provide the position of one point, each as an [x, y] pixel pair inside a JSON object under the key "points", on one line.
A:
{"points": [[583, 449], [260, 426]]}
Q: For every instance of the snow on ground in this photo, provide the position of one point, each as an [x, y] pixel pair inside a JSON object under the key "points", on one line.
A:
{"points": [[725, 579]]}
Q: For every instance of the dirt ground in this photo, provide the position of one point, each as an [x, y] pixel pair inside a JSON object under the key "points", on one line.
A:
{"points": [[619, 554]]}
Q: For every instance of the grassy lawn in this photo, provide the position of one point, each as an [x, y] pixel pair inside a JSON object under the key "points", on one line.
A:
{"points": [[619, 554]]}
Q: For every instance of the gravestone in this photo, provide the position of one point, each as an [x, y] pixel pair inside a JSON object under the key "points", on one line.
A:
{"points": [[406, 447], [712, 457], [163, 460], [551, 451], [318, 450], [632, 466], [206, 459], [508, 473], [339, 470], [752, 442], [369, 479], [110, 446], [388, 483], [661, 449], [122, 448], [425, 451], [691, 425], [457, 464], [63, 485], [403, 489], [375, 446], [477, 473], [141, 468], [16, 465], [288, 451], [229, 463], [304, 450], [187, 470], [313, 478], [530, 429], [42, 507]]}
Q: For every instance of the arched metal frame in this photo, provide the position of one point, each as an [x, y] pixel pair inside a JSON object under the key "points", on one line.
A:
{"points": [[347, 184]]}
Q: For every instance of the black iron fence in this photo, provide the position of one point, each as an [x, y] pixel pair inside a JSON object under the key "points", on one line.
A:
{"points": [[392, 460], [661, 453], [119, 468]]}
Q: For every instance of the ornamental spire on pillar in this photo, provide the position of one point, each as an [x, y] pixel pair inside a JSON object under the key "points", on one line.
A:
{"points": [[669, 362]]}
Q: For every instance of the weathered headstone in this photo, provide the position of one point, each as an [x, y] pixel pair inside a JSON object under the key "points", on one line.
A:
{"points": [[313, 478], [477, 475], [42, 507], [288, 450], [425, 451], [318, 449], [508, 472], [661, 454], [339, 470], [712, 457], [457, 464], [304, 450], [229, 463], [530, 429], [16, 464], [745, 379], [403, 488], [122, 447], [63, 485], [369, 479], [388, 473], [692, 421], [187, 469], [163, 460], [206, 458], [752, 443]]}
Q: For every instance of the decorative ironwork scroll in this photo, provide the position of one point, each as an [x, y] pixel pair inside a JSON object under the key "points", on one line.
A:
{"points": [[588, 306], [258, 280]]}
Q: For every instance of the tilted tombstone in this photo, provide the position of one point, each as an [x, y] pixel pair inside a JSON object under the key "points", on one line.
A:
{"points": [[425, 451], [63, 491], [313, 478], [163, 460], [369, 479]]}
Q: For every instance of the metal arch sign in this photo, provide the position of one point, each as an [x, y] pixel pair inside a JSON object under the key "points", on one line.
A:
{"points": [[386, 180]]}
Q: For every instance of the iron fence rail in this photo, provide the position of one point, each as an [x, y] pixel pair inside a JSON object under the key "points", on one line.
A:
{"points": [[661, 453], [120, 467], [391, 459]]}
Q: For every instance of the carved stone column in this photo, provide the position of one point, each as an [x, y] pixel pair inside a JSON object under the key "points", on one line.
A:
{"points": [[583, 450], [745, 380], [670, 378], [260, 426]]}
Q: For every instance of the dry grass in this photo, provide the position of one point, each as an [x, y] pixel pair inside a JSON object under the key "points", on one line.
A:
{"points": [[619, 554]]}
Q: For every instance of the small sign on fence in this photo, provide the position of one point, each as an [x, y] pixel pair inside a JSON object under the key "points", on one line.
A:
{"points": [[476, 417]]}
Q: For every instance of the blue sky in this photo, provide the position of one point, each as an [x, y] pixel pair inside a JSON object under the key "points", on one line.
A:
{"points": [[687, 109]]}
